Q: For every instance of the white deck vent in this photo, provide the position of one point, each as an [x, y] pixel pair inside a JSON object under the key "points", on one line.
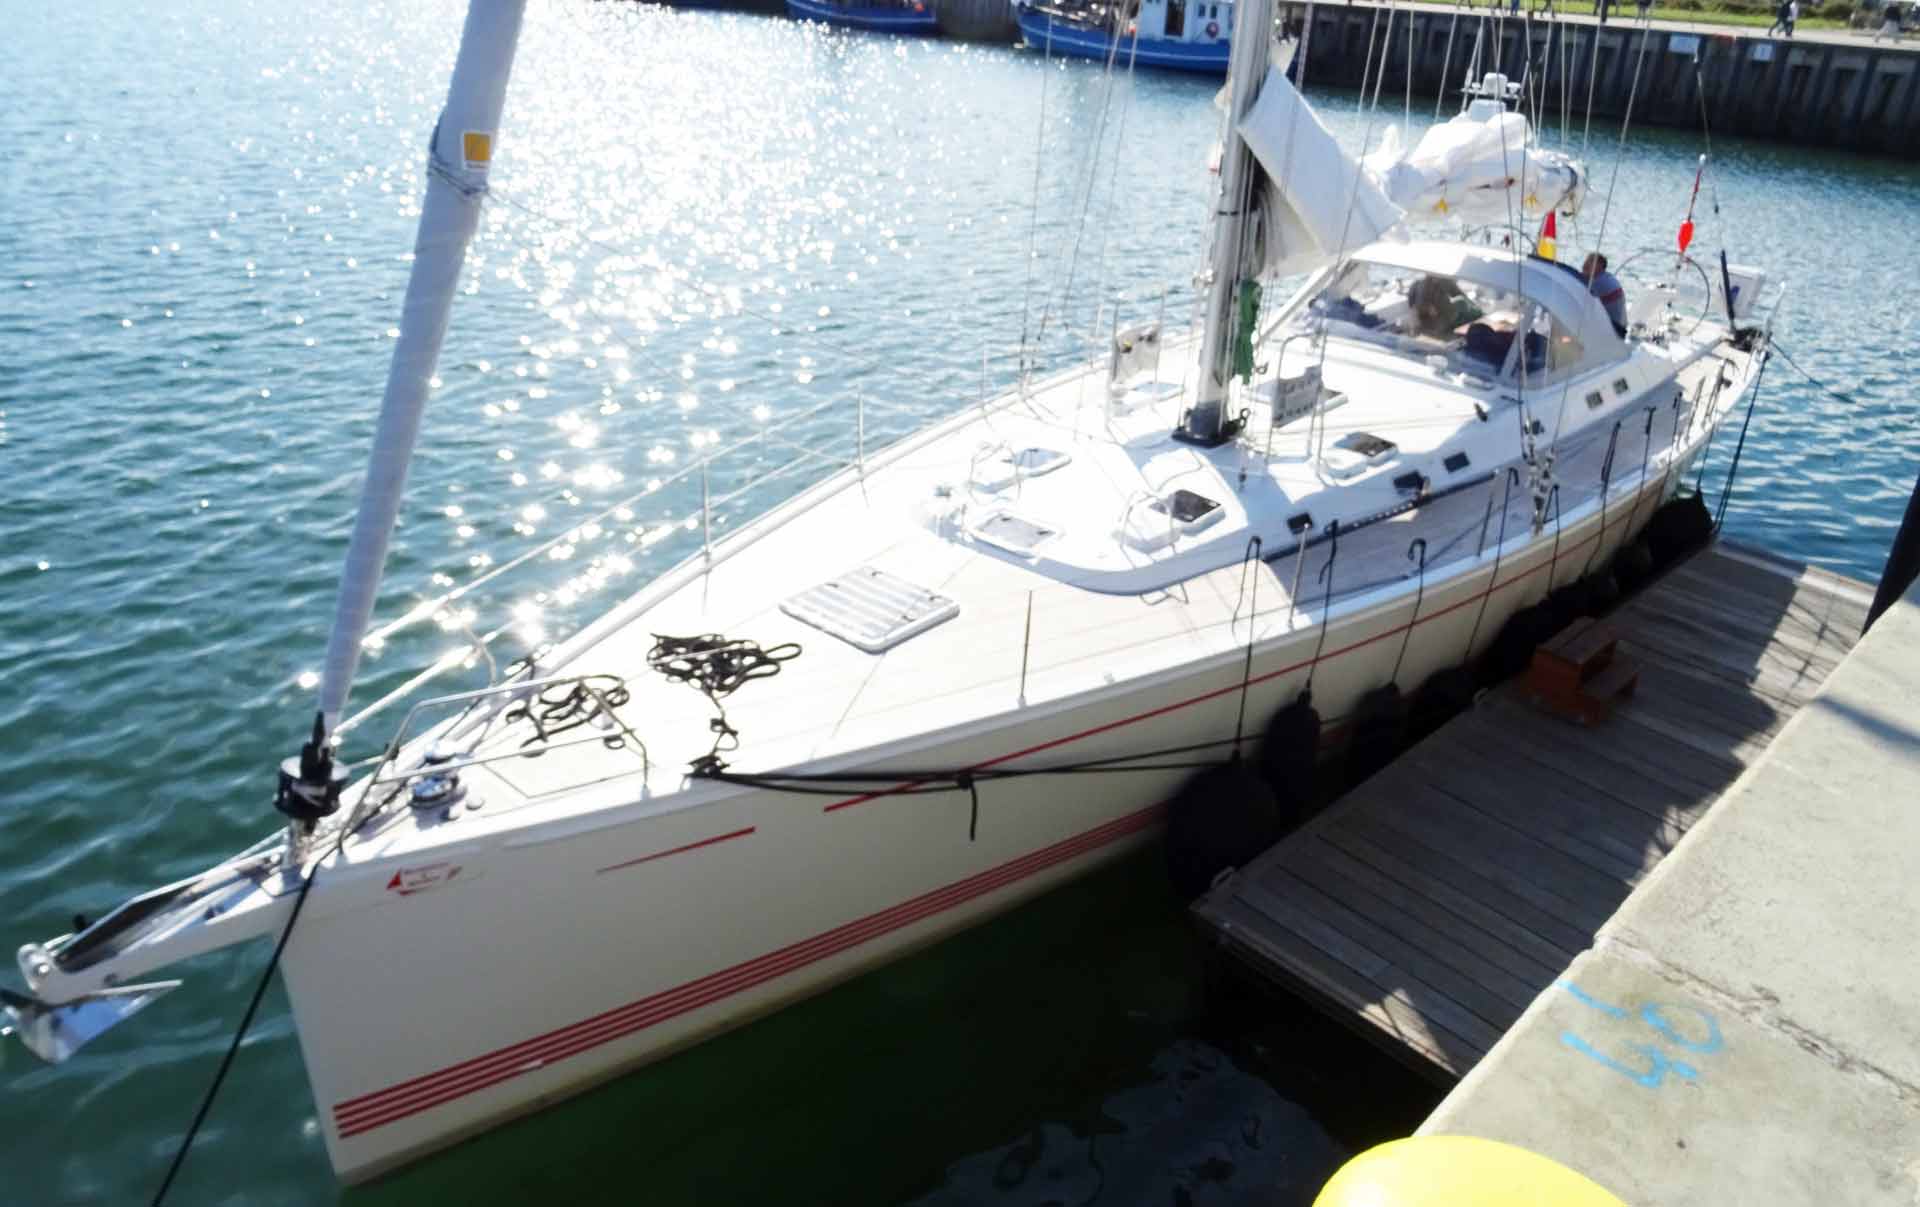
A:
{"points": [[870, 609], [1009, 466], [1357, 452], [1159, 522], [1014, 532]]}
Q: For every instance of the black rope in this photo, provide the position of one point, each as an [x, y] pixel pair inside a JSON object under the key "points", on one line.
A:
{"points": [[1326, 603], [717, 666], [1419, 546], [577, 704], [259, 993], [1247, 564], [1818, 384], [239, 1034], [1606, 482], [1726, 492], [1500, 543]]}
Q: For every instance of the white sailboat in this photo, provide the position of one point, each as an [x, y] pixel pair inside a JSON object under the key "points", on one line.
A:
{"points": [[873, 716]]}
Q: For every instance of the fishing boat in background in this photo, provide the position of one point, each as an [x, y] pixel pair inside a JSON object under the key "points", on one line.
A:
{"points": [[880, 16], [1179, 34], [952, 674]]}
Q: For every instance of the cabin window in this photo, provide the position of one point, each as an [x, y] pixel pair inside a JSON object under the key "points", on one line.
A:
{"points": [[1621, 387], [1449, 324], [1176, 18], [1595, 400]]}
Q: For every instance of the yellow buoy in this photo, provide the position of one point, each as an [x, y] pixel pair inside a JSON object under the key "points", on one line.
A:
{"points": [[1458, 1171]]}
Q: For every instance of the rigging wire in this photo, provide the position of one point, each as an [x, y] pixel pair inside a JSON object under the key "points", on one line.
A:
{"points": [[1086, 198], [1446, 61], [1033, 216]]}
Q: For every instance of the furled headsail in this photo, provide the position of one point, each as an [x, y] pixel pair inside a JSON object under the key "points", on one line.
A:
{"points": [[1314, 200]]}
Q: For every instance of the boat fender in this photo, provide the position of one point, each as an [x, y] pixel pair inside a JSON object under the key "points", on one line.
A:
{"points": [[1213, 29], [1221, 819], [1567, 604], [1682, 524], [1448, 693], [1603, 592], [1633, 565], [1377, 733], [1513, 648], [1288, 753]]}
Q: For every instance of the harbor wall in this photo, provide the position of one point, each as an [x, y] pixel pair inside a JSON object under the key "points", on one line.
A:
{"points": [[1846, 94], [977, 20]]}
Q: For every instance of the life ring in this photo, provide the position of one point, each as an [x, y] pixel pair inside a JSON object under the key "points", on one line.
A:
{"points": [[1213, 29]]}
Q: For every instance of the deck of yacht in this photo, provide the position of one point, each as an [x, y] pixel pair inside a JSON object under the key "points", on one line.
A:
{"points": [[1024, 634]]}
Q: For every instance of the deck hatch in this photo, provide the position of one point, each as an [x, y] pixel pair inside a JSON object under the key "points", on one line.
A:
{"points": [[871, 609], [1013, 532], [1011, 466]]}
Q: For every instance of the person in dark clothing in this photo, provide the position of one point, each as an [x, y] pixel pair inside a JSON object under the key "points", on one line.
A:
{"points": [[1781, 20]]}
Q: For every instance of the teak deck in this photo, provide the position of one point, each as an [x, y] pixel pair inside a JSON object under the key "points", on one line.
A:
{"points": [[1432, 903]]}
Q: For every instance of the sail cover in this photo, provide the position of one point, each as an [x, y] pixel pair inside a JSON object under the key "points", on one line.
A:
{"points": [[1316, 202], [1476, 169]]}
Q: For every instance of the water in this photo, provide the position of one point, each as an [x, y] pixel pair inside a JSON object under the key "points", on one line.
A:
{"points": [[703, 223]]}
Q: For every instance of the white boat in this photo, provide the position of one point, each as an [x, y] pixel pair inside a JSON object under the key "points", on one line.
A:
{"points": [[982, 660]]}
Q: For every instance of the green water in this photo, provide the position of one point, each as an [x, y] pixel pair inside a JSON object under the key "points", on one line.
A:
{"points": [[702, 223]]}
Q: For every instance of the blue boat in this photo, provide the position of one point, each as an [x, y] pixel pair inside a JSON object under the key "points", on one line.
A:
{"points": [[1179, 34], [900, 17]]}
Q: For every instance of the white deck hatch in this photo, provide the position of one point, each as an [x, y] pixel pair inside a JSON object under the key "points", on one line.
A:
{"points": [[871, 609]]}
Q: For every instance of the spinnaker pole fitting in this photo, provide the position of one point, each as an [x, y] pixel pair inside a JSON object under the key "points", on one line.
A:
{"points": [[309, 790]]}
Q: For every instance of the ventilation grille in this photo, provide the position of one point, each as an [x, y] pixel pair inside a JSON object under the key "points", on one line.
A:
{"points": [[870, 609]]}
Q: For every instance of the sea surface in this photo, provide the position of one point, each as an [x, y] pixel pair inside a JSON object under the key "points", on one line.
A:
{"points": [[704, 228]]}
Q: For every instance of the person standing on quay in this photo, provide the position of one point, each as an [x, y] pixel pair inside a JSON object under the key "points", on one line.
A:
{"points": [[1780, 18], [1793, 14], [1889, 23]]}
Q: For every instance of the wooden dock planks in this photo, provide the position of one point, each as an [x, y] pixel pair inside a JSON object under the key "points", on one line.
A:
{"points": [[1431, 904]]}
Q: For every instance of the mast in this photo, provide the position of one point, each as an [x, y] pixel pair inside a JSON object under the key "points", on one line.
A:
{"points": [[459, 154], [1205, 424]]}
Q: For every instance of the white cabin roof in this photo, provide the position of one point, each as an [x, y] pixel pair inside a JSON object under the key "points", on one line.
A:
{"points": [[1556, 287]]}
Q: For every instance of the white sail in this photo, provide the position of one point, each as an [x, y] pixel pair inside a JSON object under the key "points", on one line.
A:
{"points": [[1476, 168], [1317, 201]]}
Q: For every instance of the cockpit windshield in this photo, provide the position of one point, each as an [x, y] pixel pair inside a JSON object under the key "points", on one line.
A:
{"points": [[1442, 321]]}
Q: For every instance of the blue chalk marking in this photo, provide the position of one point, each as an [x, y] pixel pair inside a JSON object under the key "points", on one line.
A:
{"points": [[1653, 1015], [1658, 1066], [1588, 999]]}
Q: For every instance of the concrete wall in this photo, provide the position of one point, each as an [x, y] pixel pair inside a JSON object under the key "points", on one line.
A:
{"points": [[1852, 95]]}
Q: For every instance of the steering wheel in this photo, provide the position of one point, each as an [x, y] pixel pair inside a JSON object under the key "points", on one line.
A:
{"points": [[1674, 306]]}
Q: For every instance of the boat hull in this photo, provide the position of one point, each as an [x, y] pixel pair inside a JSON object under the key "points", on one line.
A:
{"points": [[1043, 32], [878, 18], [601, 942]]}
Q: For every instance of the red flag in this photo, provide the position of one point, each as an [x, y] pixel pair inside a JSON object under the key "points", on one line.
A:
{"points": [[1545, 248]]}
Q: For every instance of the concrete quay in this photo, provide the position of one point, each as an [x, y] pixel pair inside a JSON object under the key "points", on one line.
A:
{"points": [[1743, 1029]]}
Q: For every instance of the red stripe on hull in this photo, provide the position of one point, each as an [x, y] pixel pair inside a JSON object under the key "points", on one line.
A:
{"points": [[692, 846], [369, 1111]]}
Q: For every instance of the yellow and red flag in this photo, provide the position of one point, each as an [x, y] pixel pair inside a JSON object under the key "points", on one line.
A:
{"points": [[1544, 248]]}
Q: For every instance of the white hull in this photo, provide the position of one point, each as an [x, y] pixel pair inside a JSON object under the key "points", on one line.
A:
{"points": [[559, 956]]}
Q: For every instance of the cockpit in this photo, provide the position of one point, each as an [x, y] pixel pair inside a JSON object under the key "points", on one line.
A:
{"points": [[1491, 316]]}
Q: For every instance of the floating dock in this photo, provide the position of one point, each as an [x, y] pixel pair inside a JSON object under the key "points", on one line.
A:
{"points": [[1433, 904]]}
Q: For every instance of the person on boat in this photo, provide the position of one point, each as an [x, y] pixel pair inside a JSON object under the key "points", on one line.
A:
{"points": [[1437, 307], [1605, 286]]}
